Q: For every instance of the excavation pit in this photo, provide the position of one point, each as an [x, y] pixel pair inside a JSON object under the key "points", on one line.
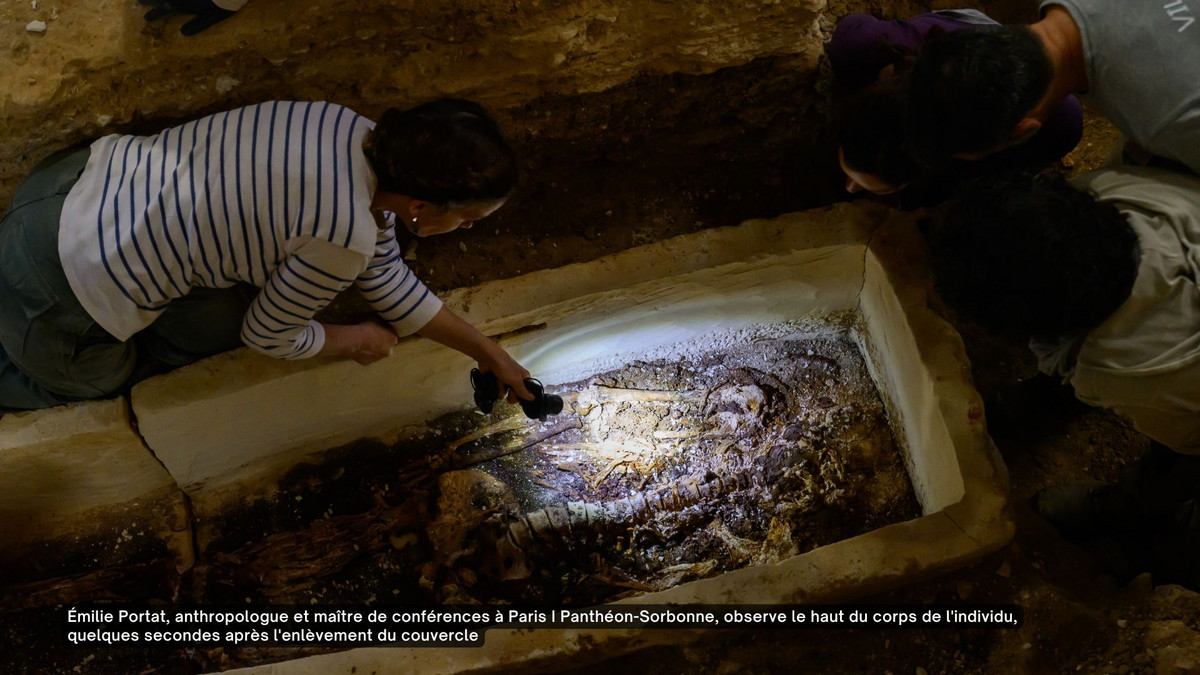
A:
{"points": [[663, 472], [698, 428], [846, 277], [655, 473]]}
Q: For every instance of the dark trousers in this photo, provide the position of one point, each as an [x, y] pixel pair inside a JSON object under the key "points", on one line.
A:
{"points": [[51, 350], [1163, 491]]}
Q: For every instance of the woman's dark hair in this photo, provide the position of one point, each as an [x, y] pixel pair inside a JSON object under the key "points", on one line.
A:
{"points": [[968, 89], [872, 133], [444, 152], [1032, 256]]}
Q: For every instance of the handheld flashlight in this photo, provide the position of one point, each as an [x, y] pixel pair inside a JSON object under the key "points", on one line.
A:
{"points": [[486, 395]]}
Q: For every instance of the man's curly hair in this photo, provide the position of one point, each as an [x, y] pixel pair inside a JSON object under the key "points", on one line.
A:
{"points": [[968, 89], [1032, 256], [446, 152]]}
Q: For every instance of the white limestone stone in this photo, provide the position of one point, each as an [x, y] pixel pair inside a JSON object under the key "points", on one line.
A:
{"points": [[64, 470]]}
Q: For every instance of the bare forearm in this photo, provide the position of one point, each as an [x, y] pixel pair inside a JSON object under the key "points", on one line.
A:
{"points": [[339, 340], [364, 342], [451, 330]]}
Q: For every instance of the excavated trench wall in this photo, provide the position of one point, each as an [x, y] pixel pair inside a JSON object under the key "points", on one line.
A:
{"points": [[571, 82], [98, 67]]}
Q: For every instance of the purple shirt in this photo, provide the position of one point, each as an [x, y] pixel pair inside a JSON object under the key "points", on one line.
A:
{"points": [[858, 52]]}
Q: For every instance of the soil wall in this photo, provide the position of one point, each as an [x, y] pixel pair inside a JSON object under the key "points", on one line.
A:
{"points": [[570, 81], [98, 67]]}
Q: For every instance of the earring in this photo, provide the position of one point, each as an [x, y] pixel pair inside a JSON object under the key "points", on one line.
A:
{"points": [[416, 227]]}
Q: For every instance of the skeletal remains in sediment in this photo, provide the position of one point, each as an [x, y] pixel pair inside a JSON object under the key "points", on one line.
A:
{"points": [[511, 545]]}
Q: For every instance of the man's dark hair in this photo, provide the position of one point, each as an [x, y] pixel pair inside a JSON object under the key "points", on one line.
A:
{"points": [[444, 152], [1033, 257], [968, 89], [872, 133]]}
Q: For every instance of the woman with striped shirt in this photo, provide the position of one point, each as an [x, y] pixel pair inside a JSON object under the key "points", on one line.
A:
{"points": [[238, 228]]}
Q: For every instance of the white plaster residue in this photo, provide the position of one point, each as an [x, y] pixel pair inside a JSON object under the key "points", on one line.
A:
{"points": [[226, 84]]}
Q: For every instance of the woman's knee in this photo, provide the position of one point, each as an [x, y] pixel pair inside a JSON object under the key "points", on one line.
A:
{"points": [[204, 322], [98, 371]]}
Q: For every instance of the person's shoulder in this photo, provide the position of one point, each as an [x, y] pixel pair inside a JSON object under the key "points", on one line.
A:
{"points": [[344, 114], [334, 105], [1163, 209], [329, 108], [854, 30], [865, 29], [964, 18], [1047, 4], [854, 50], [314, 106], [1144, 183], [856, 22]]}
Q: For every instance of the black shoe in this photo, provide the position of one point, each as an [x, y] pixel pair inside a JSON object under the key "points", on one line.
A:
{"points": [[1031, 408], [1087, 509], [1122, 557]]}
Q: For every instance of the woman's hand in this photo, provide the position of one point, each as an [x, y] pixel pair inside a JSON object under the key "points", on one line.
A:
{"points": [[365, 342], [508, 373], [375, 342]]}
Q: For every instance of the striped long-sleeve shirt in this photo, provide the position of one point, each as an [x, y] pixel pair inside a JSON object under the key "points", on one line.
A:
{"points": [[276, 194]]}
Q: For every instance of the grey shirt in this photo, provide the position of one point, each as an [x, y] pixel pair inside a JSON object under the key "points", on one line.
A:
{"points": [[1143, 70], [1144, 360]]}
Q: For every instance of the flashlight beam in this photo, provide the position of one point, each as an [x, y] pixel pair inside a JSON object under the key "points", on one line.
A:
{"points": [[600, 394], [621, 583], [463, 460], [510, 424]]}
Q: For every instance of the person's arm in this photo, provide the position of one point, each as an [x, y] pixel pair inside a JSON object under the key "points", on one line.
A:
{"points": [[1165, 406], [279, 322], [392, 290], [369, 341], [365, 342], [451, 330]]}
